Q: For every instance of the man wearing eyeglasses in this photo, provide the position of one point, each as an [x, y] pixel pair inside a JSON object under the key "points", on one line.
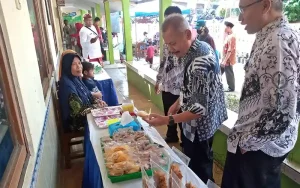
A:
{"points": [[267, 125]]}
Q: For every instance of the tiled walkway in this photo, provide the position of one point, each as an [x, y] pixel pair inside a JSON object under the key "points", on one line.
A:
{"points": [[72, 178]]}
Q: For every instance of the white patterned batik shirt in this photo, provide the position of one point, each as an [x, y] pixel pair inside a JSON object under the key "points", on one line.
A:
{"points": [[202, 92], [170, 73], [269, 105]]}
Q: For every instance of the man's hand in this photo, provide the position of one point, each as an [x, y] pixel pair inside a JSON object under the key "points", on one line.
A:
{"points": [[174, 108], [157, 91], [157, 120], [223, 64], [93, 40]]}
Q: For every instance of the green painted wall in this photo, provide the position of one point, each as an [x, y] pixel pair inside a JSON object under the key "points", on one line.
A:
{"points": [[220, 139]]}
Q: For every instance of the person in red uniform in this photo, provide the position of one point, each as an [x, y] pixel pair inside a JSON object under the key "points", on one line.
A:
{"points": [[150, 54]]}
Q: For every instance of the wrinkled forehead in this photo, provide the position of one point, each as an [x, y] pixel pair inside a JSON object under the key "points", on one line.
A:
{"points": [[171, 35]]}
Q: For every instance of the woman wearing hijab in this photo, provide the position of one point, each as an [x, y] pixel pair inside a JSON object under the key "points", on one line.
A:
{"points": [[74, 98]]}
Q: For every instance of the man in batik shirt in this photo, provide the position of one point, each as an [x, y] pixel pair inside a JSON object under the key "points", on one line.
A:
{"points": [[267, 126], [229, 59], [201, 96]]}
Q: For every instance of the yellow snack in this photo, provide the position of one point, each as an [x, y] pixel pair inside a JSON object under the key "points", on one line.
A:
{"points": [[119, 156], [132, 168]]}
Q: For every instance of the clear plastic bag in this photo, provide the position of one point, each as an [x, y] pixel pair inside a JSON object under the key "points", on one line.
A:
{"points": [[163, 160], [146, 180], [211, 184], [160, 176], [182, 156], [174, 181]]}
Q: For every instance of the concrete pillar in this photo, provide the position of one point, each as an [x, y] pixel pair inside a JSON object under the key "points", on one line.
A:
{"points": [[109, 31], [98, 13], [163, 4], [127, 29]]}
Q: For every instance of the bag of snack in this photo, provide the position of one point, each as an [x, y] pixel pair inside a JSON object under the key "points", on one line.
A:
{"points": [[174, 181], [176, 176], [146, 180], [160, 176], [163, 160]]}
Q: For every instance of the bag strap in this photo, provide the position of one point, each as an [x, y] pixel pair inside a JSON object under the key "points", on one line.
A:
{"points": [[91, 30]]}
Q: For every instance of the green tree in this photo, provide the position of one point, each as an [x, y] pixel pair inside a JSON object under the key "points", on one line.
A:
{"points": [[292, 10]]}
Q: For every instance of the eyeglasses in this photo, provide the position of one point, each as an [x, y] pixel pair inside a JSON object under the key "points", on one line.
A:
{"points": [[242, 8]]}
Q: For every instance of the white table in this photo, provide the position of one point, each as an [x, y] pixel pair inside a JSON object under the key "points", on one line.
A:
{"points": [[102, 75], [96, 134]]}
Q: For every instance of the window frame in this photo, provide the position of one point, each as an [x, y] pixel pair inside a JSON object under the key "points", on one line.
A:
{"points": [[50, 15], [43, 34], [18, 158]]}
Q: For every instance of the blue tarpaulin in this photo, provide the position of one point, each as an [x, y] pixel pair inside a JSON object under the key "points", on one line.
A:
{"points": [[148, 14]]}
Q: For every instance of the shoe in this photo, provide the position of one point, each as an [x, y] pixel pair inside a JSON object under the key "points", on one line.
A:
{"points": [[171, 140]]}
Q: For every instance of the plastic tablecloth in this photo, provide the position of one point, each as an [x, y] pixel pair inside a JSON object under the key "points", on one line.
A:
{"points": [[106, 85], [95, 174]]}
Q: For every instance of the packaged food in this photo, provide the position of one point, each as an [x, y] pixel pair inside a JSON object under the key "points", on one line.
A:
{"points": [[160, 176], [101, 121], [106, 111], [175, 179], [146, 180]]}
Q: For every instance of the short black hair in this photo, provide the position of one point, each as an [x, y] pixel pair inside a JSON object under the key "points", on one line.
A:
{"points": [[97, 19], [86, 66], [172, 10], [228, 24], [65, 21]]}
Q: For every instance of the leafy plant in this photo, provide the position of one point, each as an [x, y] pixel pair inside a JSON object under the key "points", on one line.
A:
{"points": [[222, 12], [232, 102], [292, 10]]}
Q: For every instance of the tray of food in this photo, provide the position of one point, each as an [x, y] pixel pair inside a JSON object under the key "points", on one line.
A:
{"points": [[101, 121], [106, 111], [127, 152]]}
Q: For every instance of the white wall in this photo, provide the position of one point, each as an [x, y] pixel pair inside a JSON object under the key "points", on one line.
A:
{"points": [[22, 56]]}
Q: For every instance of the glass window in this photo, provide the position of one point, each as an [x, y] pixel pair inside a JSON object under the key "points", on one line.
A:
{"points": [[37, 40], [6, 143]]}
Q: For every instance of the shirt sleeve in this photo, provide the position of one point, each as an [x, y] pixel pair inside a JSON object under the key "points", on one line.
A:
{"points": [[278, 79], [83, 39], [198, 101], [161, 70]]}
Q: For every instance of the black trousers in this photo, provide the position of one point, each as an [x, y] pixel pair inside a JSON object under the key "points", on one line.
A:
{"points": [[253, 169], [168, 100], [229, 76], [201, 155]]}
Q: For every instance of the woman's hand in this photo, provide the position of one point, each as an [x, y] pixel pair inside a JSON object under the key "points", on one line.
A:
{"points": [[157, 120], [97, 95]]}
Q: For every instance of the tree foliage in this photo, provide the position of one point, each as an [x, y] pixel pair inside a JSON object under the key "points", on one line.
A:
{"points": [[292, 10]]}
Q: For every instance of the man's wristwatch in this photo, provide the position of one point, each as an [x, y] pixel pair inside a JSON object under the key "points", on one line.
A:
{"points": [[171, 120]]}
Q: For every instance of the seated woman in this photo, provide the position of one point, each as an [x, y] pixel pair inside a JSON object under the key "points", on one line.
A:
{"points": [[74, 97]]}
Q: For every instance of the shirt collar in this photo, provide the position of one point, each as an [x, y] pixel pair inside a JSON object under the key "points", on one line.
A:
{"points": [[193, 48], [279, 22]]}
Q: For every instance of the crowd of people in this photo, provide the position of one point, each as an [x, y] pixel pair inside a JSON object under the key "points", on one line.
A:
{"points": [[189, 79]]}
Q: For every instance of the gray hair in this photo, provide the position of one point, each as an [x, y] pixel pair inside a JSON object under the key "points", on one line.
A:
{"points": [[176, 21]]}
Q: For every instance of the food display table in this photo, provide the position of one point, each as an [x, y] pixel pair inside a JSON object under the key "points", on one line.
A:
{"points": [[106, 85], [95, 174]]}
